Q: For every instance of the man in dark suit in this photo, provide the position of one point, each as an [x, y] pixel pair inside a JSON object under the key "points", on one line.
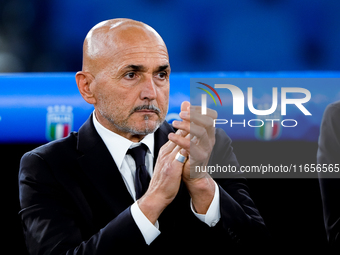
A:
{"points": [[329, 154], [91, 193]]}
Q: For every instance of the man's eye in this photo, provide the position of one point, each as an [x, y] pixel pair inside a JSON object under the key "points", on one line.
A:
{"points": [[130, 75], [162, 75]]}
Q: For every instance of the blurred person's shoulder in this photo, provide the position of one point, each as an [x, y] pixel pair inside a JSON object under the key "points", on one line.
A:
{"points": [[335, 106], [332, 110]]}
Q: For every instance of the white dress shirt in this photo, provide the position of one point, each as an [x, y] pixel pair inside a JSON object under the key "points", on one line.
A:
{"points": [[127, 168]]}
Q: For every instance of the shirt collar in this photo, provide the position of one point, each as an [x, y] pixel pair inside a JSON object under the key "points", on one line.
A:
{"points": [[118, 145]]}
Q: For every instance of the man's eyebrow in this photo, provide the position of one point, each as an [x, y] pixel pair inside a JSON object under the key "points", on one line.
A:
{"points": [[162, 68], [143, 68], [135, 67]]}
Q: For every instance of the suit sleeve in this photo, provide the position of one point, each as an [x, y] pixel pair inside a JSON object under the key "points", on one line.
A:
{"points": [[329, 153], [239, 215], [50, 224]]}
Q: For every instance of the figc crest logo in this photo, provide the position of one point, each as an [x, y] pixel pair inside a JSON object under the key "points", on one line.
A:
{"points": [[59, 121]]}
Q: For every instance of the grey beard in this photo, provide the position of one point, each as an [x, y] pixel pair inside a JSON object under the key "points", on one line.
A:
{"points": [[132, 130], [126, 129]]}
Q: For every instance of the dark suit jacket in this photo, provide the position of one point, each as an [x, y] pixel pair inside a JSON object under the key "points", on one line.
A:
{"points": [[329, 153], [74, 201]]}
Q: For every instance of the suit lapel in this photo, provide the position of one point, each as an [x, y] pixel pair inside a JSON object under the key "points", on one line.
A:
{"points": [[100, 168]]}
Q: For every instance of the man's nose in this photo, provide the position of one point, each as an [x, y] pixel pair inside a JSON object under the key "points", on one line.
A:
{"points": [[148, 90]]}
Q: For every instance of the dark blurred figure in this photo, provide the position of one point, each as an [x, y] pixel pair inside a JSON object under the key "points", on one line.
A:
{"points": [[329, 153]]}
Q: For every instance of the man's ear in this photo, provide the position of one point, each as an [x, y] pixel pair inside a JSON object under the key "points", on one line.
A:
{"points": [[84, 80]]}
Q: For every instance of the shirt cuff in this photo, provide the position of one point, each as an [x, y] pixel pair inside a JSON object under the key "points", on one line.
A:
{"points": [[148, 230], [213, 215]]}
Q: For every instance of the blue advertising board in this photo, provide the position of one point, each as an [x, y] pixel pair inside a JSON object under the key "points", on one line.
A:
{"points": [[40, 107]]}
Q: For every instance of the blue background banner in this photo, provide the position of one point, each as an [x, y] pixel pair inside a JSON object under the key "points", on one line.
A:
{"points": [[39, 107]]}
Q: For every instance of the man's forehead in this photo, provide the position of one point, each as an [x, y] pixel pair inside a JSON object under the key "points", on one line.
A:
{"points": [[121, 43], [142, 51], [147, 59]]}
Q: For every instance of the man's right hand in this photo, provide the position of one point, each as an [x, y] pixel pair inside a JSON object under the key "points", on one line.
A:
{"points": [[164, 183]]}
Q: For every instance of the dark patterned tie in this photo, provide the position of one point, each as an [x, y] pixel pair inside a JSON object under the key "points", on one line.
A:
{"points": [[142, 177]]}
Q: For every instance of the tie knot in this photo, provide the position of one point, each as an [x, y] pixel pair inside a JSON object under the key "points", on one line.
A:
{"points": [[138, 153]]}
